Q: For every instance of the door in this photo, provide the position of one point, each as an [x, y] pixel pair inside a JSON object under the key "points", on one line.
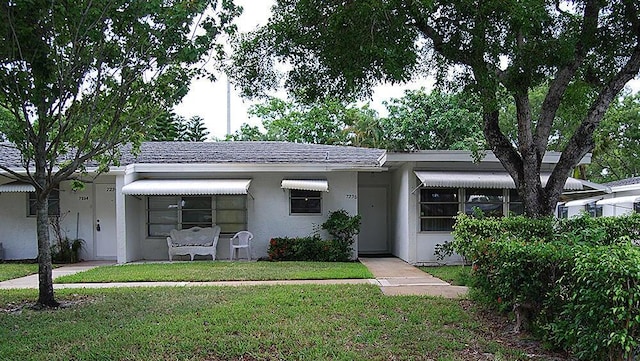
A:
{"points": [[372, 206], [105, 222]]}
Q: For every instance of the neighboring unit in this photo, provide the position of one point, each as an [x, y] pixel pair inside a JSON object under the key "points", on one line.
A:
{"points": [[620, 198]]}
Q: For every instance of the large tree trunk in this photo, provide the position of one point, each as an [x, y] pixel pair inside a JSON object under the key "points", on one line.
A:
{"points": [[45, 279]]}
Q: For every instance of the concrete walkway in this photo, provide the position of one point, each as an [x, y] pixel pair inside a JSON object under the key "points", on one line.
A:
{"points": [[394, 276]]}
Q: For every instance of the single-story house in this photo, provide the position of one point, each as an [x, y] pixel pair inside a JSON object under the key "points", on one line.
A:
{"points": [[620, 198], [273, 189]]}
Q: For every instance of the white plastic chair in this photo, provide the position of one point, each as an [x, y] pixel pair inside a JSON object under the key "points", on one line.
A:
{"points": [[243, 239]]}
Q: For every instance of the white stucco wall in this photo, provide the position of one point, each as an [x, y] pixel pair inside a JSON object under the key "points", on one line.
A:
{"points": [[17, 231], [402, 240], [268, 211], [76, 215]]}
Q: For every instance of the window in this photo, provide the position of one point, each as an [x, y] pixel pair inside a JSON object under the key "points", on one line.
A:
{"points": [[438, 207], [54, 203], [516, 207], [593, 209], [167, 213], [305, 202], [636, 207], [563, 211], [487, 201]]}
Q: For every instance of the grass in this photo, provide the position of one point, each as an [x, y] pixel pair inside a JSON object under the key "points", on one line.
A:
{"points": [[205, 271], [338, 322], [14, 270], [456, 275]]}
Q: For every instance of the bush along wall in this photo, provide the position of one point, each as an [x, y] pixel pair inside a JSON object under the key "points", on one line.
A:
{"points": [[340, 225], [574, 282]]}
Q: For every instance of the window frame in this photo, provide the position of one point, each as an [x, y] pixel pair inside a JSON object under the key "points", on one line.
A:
{"points": [[484, 192], [563, 212], [508, 200], [299, 195], [455, 191], [54, 207], [593, 209], [180, 223]]}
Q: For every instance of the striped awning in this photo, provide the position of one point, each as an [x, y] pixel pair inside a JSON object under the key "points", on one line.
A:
{"points": [[619, 200], [480, 180], [306, 184], [183, 187], [17, 187]]}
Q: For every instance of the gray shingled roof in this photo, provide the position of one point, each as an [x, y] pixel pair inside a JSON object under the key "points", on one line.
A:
{"points": [[9, 157], [624, 182], [236, 152]]}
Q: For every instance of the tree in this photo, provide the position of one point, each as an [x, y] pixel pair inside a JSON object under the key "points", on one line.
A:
{"points": [[195, 130], [327, 122], [343, 48], [420, 121], [617, 152], [82, 78], [165, 127]]}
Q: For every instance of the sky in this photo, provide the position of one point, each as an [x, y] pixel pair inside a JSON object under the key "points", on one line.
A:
{"points": [[209, 99]]}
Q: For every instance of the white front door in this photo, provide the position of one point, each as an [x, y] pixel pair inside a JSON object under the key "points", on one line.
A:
{"points": [[372, 206], [105, 221]]}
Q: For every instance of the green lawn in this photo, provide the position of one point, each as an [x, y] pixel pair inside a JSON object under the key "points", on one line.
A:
{"points": [[314, 322], [456, 275], [14, 270], [203, 271]]}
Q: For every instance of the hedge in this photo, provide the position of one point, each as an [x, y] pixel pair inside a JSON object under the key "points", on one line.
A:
{"points": [[575, 282], [310, 248]]}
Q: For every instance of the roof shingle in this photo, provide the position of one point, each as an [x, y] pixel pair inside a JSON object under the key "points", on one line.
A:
{"points": [[232, 152]]}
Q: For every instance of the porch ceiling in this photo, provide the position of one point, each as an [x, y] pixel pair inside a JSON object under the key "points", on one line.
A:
{"points": [[174, 187], [480, 180]]}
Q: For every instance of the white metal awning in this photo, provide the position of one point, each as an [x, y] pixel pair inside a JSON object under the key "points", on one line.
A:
{"points": [[306, 184], [581, 202], [480, 180], [620, 200], [17, 187], [181, 187]]}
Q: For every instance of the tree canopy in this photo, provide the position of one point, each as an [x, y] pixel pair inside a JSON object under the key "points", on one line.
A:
{"points": [[617, 152], [416, 121], [342, 48], [82, 78]]}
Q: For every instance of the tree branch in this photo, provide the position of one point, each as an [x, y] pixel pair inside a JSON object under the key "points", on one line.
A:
{"points": [[564, 76]]}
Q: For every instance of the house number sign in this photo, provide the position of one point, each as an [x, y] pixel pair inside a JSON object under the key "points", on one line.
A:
{"points": [[351, 196]]}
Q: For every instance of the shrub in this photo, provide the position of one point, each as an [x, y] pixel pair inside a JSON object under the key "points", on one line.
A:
{"points": [[577, 281], [601, 318], [66, 250], [308, 249], [340, 226]]}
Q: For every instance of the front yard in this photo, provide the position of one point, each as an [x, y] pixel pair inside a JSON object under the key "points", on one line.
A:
{"points": [[14, 270], [339, 322]]}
